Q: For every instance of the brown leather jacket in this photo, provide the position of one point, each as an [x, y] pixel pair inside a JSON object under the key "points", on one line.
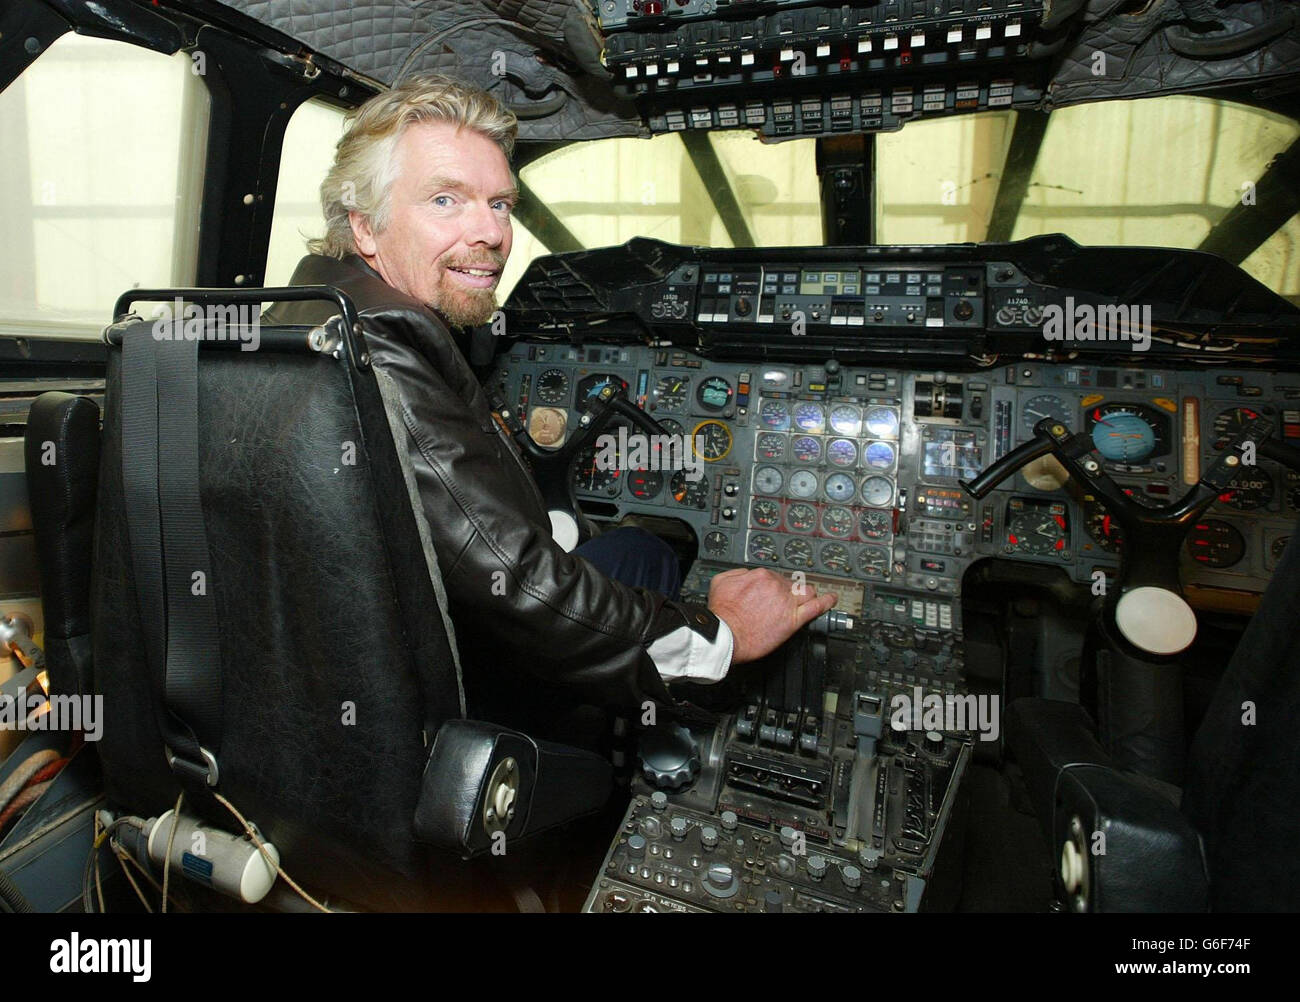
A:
{"points": [[552, 612]]}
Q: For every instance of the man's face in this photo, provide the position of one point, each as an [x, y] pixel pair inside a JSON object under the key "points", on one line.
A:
{"points": [[448, 233]]}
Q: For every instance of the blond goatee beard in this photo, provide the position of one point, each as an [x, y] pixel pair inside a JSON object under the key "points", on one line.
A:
{"points": [[467, 311]]}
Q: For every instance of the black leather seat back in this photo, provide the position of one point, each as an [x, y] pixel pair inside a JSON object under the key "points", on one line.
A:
{"points": [[1243, 775], [335, 657], [62, 458]]}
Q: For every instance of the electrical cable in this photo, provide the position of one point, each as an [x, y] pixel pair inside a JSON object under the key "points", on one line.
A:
{"points": [[266, 855], [171, 840]]}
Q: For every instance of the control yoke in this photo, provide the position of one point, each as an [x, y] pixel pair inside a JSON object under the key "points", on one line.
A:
{"points": [[1150, 610], [552, 468]]}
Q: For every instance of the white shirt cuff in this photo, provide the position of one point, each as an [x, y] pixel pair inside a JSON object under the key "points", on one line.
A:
{"points": [[686, 654]]}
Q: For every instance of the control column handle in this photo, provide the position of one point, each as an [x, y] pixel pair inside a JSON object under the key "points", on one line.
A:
{"points": [[986, 480], [1286, 455]]}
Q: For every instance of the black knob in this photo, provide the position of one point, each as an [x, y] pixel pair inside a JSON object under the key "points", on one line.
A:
{"points": [[669, 756], [772, 902]]}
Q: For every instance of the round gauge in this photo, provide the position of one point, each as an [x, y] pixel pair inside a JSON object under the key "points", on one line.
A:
{"points": [[806, 449], [835, 558], [842, 453], [799, 552], [1045, 405], [875, 524], [689, 493], [1278, 547], [590, 477], [672, 427], [803, 484], [1215, 543], [1103, 529], [1249, 490], [801, 518], [716, 544], [765, 513], [714, 393], [644, 485], [553, 387], [840, 487], [837, 521], [670, 393], [1293, 489], [774, 414], [717, 441], [810, 417], [768, 480], [879, 455], [877, 492], [873, 561], [762, 548], [1126, 433], [846, 420], [1037, 532], [547, 426], [1231, 423], [882, 422], [589, 388], [770, 446]]}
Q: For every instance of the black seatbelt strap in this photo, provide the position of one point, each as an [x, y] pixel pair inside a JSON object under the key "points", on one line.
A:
{"points": [[170, 557]]}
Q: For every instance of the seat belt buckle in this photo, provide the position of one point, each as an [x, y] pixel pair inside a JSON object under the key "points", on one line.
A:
{"points": [[206, 773]]}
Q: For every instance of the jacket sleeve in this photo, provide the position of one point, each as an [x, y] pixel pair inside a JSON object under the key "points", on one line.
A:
{"points": [[507, 582]]}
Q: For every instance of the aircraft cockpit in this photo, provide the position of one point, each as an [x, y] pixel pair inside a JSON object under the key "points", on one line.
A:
{"points": [[980, 316]]}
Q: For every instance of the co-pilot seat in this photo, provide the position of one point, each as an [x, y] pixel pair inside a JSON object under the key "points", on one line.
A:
{"points": [[270, 623]]}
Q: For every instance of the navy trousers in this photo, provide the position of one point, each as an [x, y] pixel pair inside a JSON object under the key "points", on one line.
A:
{"points": [[635, 557]]}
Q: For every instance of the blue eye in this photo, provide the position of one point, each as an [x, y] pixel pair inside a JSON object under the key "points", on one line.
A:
{"points": [[442, 201]]}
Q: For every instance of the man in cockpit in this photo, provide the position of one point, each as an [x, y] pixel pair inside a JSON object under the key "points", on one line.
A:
{"points": [[418, 228]]}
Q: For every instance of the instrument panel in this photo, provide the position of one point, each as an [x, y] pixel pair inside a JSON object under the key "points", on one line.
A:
{"points": [[851, 472]]}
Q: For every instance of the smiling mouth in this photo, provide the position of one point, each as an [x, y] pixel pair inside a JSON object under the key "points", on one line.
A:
{"points": [[477, 272]]}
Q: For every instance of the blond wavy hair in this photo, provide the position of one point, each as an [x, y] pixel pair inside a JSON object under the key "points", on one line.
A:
{"points": [[361, 179]]}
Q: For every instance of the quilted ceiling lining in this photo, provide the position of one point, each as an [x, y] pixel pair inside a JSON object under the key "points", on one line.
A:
{"points": [[557, 86]]}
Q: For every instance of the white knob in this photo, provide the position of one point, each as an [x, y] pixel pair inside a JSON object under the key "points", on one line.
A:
{"points": [[1156, 620]]}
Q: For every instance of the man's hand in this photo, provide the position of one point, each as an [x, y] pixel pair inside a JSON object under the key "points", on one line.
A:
{"points": [[762, 609]]}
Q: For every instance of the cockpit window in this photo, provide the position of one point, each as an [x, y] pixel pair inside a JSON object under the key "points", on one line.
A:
{"points": [[607, 192], [100, 181], [1159, 172], [305, 159]]}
